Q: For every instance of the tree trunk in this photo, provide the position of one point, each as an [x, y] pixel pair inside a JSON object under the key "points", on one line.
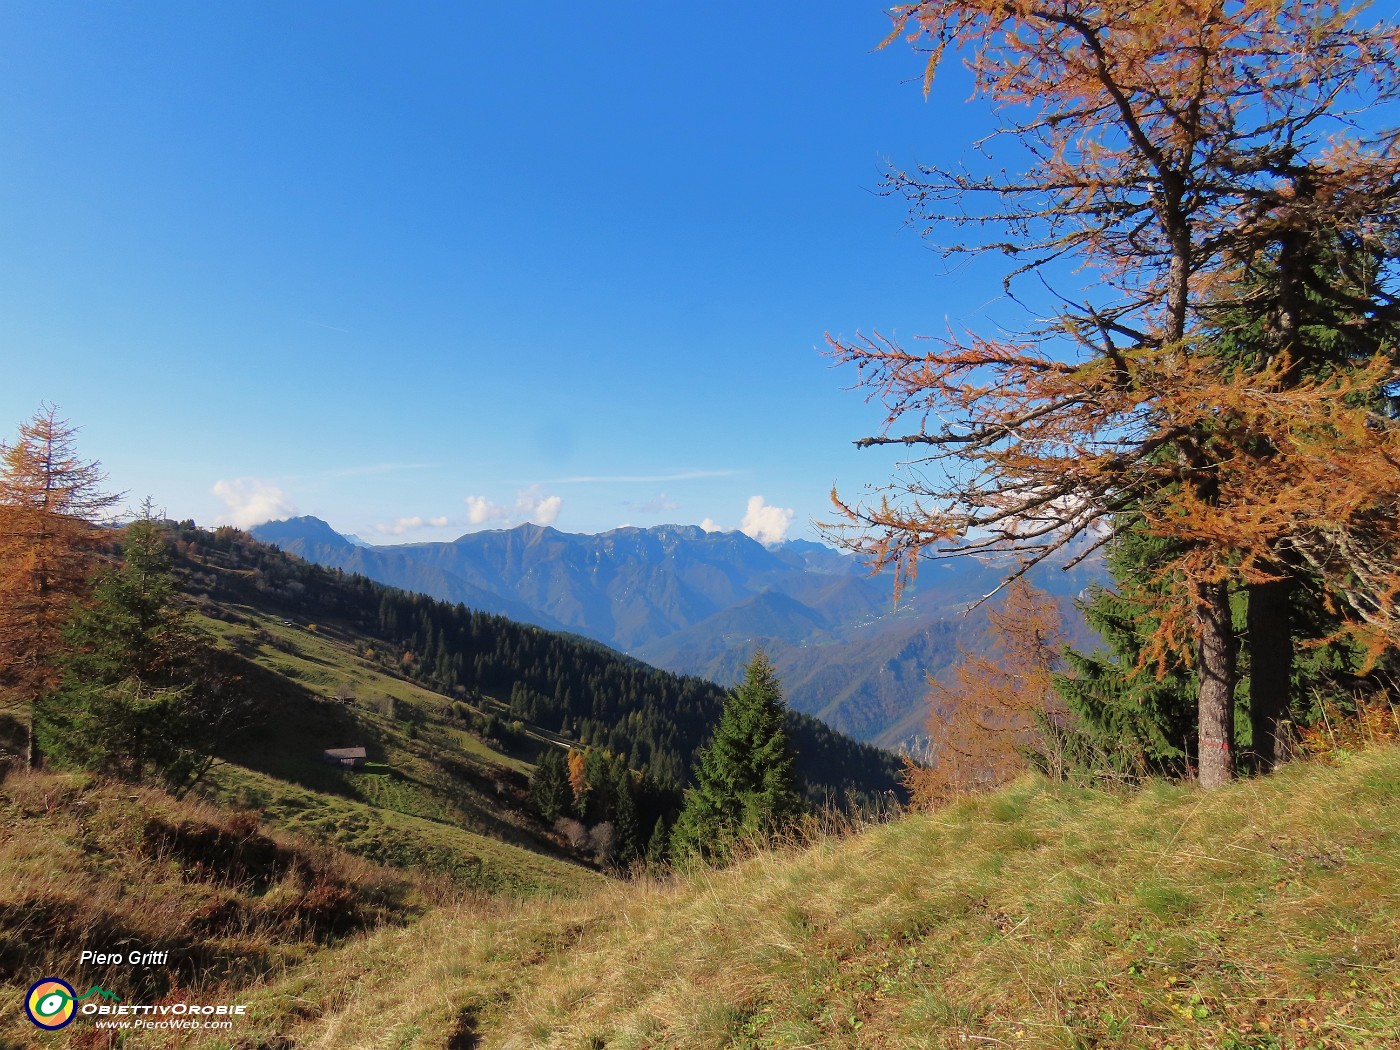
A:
{"points": [[1270, 669], [1270, 621], [1215, 665]]}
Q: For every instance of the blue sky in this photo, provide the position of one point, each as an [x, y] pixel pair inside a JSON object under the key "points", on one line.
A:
{"points": [[425, 268]]}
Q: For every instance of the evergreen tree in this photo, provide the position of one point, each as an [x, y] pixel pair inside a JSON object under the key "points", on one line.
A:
{"points": [[599, 799], [1134, 707], [659, 844], [626, 823], [136, 697], [1133, 713], [1304, 304], [746, 780], [550, 796], [1306, 307]]}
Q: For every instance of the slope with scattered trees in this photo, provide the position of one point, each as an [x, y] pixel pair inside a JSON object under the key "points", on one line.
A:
{"points": [[50, 500]]}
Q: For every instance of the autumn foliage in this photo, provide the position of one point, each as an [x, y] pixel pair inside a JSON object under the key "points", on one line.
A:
{"points": [[50, 500], [1205, 168], [992, 712], [578, 783]]}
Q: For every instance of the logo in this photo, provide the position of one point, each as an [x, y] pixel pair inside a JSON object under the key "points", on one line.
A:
{"points": [[51, 1004]]}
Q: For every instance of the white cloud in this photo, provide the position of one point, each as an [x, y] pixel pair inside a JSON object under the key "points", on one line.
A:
{"points": [[481, 510], [531, 504], [547, 510], [252, 501], [402, 525], [399, 527], [764, 523], [710, 525]]}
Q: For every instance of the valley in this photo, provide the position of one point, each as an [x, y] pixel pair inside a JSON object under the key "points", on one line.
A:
{"points": [[699, 603]]}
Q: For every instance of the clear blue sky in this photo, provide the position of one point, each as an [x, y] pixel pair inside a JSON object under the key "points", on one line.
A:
{"points": [[423, 268]]}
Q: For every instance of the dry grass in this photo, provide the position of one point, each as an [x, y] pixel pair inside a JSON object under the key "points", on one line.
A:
{"points": [[402, 840], [1374, 720], [1263, 917], [92, 864]]}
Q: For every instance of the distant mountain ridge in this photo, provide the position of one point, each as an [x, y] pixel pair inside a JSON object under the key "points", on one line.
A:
{"points": [[698, 602]]}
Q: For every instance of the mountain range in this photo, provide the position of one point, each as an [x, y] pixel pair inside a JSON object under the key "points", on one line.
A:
{"points": [[699, 603]]}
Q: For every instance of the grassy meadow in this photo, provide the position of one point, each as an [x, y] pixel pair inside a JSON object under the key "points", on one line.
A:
{"points": [[1262, 917], [278, 858]]}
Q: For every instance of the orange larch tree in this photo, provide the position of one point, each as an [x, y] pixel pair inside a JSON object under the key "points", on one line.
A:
{"points": [[992, 712], [1172, 150], [578, 778], [50, 502]]}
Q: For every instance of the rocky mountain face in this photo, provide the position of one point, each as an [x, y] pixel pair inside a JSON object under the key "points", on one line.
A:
{"points": [[699, 602]]}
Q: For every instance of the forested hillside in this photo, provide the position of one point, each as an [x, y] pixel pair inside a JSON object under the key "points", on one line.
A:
{"points": [[560, 683], [697, 603]]}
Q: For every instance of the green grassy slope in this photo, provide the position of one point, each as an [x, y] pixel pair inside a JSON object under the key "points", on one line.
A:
{"points": [[433, 795], [1262, 917], [284, 857]]}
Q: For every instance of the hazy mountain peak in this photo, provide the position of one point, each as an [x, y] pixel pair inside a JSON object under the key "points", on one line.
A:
{"points": [[307, 529]]}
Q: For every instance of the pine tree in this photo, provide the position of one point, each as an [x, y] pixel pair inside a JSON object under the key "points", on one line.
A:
{"points": [[746, 781], [626, 825], [599, 799], [659, 844]]}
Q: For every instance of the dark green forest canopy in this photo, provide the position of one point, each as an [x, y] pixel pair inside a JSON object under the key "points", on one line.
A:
{"points": [[555, 681]]}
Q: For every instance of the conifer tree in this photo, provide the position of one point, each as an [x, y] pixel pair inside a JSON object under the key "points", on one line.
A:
{"points": [[659, 844], [1136, 714], [50, 500], [550, 794], [626, 825], [599, 800], [136, 698], [746, 780], [1308, 304]]}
